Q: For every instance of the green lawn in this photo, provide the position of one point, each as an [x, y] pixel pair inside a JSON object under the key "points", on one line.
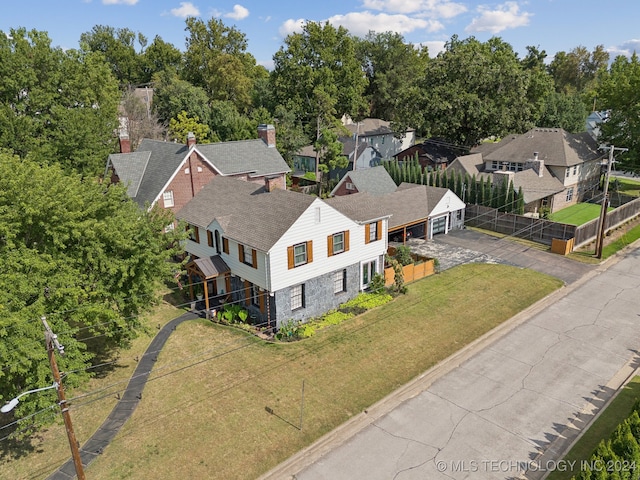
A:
{"points": [[224, 404], [626, 186], [577, 214], [618, 410]]}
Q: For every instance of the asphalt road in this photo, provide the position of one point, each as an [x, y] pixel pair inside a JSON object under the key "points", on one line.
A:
{"points": [[505, 407]]}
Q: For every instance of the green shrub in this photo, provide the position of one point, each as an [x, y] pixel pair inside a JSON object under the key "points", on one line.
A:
{"points": [[334, 318], [377, 283], [288, 331], [403, 255], [368, 300]]}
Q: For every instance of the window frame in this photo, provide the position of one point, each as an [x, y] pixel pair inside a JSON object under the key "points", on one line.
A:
{"points": [[165, 194], [303, 254], [569, 196], [297, 297], [340, 281]]}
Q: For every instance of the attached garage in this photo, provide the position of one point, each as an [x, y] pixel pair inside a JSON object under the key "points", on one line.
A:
{"points": [[438, 225]]}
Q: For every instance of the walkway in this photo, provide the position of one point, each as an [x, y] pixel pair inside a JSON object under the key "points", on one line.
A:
{"points": [[127, 404], [507, 406]]}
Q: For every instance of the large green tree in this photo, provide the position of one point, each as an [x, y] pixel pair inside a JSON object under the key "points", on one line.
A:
{"points": [[118, 45], [575, 71], [217, 60], [473, 90], [619, 92], [58, 106], [393, 69], [80, 253], [317, 64], [172, 95]]}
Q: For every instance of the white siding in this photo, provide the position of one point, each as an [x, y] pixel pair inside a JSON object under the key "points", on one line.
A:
{"points": [[448, 203], [305, 229]]}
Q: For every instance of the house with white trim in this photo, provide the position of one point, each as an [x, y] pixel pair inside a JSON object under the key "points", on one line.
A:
{"points": [[281, 254], [169, 174]]}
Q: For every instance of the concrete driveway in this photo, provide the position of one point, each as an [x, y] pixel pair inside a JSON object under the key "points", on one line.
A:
{"points": [[465, 246], [505, 407]]}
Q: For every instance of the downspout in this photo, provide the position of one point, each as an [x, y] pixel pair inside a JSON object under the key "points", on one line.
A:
{"points": [[267, 271]]}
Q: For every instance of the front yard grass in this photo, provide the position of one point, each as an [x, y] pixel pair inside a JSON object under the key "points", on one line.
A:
{"points": [[577, 214], [223, 404], [601, 429]]}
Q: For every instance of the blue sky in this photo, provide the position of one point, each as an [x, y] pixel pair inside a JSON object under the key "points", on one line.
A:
{"points": [[553, 25]]}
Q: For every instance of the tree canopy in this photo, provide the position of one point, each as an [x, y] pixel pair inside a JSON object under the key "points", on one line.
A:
{"points": [[84, 255], [57, 106]]}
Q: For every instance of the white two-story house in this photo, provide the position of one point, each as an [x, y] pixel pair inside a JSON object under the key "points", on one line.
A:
{"points": [[281, 254]]}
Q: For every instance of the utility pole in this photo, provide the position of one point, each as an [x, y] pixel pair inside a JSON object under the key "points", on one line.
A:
{"points": [[50, 340], [605, 203]]}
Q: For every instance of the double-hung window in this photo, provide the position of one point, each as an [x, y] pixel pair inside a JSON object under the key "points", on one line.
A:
{"points": [[300, 254], [337, 243], [167, 198], [297, 297], [340, 281]]}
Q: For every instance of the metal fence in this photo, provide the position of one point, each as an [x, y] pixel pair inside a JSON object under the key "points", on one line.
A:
{"points": [[536, 229]]}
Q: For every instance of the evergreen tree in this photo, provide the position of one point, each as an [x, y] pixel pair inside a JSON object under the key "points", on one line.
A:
{"points": [[511, 206], [480, 199], [520, 202], [473, 190], [488, 192]]}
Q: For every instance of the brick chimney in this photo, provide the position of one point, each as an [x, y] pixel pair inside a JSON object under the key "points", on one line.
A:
{"points": [[271, 183], [125, 143], [268, 134], [191, 140]]}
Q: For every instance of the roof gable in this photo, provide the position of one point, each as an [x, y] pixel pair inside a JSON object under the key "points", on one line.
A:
{"points": [[375, 181], [130, 168], [244, 156], [247, 212]]}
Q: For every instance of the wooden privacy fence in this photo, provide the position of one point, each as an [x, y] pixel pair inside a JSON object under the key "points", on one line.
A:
{"points": [[587, 233], [536, 229], [415, 271]]}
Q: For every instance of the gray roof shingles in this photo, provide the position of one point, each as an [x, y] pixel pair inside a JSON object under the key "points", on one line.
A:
{"points": [[360, 207], [375, 180], [250, 214], [164, 158], [555, 146]]}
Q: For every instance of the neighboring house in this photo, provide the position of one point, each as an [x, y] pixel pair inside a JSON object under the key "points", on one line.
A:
{"points": [[375, 181], [284, 255], [538, 185], [565, 168], [594, 120], [170, 174], [417, 211], [364, 157], [379, 134], [433, 154], [375, 140]]}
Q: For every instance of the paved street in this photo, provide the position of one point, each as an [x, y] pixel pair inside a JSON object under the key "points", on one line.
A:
{"points": [[505, 407]]}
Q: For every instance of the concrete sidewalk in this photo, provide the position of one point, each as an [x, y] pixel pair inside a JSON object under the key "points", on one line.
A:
{"points": [[506, 406]]}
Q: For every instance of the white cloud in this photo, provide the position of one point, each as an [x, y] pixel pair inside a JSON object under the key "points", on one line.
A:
{"points": [[503, 17], [239, 13], [360, 23], [187, 9], [434, 47], [431, 8], [119, 2], [627, 49], [291, 26]]}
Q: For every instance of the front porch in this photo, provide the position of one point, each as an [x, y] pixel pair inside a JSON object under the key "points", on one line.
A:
{"points": [[209, 282]]}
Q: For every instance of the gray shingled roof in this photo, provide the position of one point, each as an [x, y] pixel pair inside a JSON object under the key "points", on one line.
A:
{"points": [[554, 145], [471, 164], [359, 207], [248, 213], [535, 187], [375, 180], [411, 203], [244, 156], [147, 170], [130, 168]]}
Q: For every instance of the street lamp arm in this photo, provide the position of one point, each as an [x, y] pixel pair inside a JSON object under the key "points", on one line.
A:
{"points": [[12, 403]]}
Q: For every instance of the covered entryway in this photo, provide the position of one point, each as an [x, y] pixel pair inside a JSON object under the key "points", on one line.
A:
{"points": [[211, 277]]}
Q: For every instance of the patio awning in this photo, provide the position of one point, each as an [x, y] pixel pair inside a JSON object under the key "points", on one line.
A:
{"points": [[211, 267]]}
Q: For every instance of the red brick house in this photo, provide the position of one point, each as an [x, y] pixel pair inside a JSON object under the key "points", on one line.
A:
{"points": [[169, 174]]}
